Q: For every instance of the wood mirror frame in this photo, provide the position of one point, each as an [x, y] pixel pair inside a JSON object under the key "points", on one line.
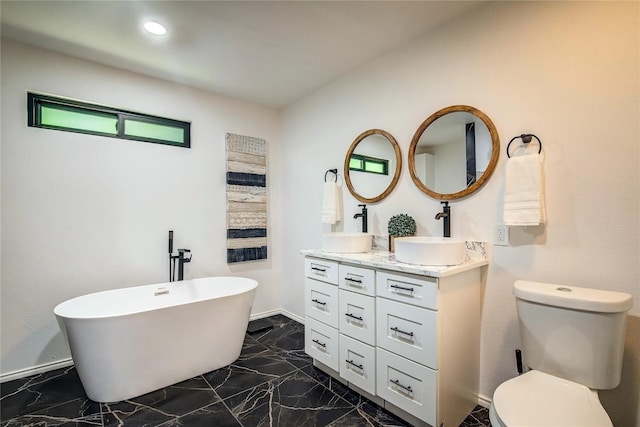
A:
{"points": [[495, 153], [396, 174]]}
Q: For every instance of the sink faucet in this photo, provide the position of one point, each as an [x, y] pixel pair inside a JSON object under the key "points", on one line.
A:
{"points": [[363, 215], [446, 216]]}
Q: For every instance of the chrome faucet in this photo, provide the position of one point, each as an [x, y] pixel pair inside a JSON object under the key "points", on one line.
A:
{"points": [[446, 217], [363, 215]]}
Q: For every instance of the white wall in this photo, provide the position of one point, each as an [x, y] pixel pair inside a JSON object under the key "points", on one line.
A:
{"points": [[566, 71], [85, 213]]}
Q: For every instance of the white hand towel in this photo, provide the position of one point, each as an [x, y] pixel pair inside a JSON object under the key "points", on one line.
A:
{"points": [[331, 212], [524, 191]]}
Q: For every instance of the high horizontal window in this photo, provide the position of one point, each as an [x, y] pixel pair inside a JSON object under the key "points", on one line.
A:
{"points": [[50, 112], [368, 164]]}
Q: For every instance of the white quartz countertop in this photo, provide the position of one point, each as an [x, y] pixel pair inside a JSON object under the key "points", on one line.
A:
{"points": [[476, 257]]}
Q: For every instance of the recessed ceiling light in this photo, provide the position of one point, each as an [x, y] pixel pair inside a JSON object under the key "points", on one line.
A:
{"points": [[155, 28]]}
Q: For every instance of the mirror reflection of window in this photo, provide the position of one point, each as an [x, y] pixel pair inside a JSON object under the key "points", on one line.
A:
{"points": [[374, 151], [372, 165]]}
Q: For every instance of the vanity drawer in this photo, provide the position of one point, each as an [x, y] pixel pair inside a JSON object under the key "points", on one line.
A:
{"points": [[358, 316], [357, 279], [323, 270], [408, 331], [407, 385], [321, 301], [322, 343], [417, 290], [358, 363]]}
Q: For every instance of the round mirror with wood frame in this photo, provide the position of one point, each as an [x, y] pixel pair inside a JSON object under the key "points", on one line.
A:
{"points": [[358, 150], [443, 151]]}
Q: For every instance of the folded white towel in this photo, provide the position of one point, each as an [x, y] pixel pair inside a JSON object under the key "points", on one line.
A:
{"points": [[331, 209], [524, 191]]}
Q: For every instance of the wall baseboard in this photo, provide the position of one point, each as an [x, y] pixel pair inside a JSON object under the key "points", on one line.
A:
{"points": [[484, 401], [35, 370]]}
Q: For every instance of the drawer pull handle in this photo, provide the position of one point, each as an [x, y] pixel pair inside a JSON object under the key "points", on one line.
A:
{"points": [[350, 362], [321, 344], [319, 302], [400, 331], [404, 387], [353, 316], [321, 270], [402, 288], [351, 281]]}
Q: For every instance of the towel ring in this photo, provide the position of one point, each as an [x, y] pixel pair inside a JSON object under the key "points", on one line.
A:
{"points": [[526, 138], [333, 171]]}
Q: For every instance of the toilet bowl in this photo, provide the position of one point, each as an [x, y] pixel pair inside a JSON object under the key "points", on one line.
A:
{"points": [[573, 342], [536, 399]]}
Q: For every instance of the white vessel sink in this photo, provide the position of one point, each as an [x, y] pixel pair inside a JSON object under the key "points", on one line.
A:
{"points": [[425, 250], [346, 243]]}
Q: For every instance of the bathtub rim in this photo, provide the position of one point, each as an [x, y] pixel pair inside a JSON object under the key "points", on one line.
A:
{"points": [[251, 286]]}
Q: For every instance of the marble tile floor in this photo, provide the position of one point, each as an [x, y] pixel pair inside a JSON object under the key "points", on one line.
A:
{"points": [[273, 383]]}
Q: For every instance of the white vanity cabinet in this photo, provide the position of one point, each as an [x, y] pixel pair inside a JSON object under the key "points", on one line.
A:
{"points": [[406, 340], [321, 311]]}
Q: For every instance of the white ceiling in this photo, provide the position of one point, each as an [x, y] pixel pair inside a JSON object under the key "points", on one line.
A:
{"points": [[269, 52]]}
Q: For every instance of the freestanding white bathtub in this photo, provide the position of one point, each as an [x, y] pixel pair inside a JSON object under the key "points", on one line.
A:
{"points": [[128, 342]]}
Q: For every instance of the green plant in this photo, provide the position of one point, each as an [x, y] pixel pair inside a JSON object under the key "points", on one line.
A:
{"points": [[402, 225]]}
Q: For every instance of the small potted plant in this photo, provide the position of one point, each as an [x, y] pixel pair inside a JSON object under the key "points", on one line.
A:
{"points": [[399, 226]]}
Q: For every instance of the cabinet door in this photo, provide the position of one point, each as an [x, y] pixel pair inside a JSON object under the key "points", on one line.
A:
{"points": [[416, 290], [407, 385], [357, 279], [321, 342], [320, 269], [358, 316], [321, 301], [358, 363], [409, 331]]}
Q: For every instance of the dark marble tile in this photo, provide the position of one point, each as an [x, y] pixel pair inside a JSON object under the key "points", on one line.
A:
{"points": [[213, 415], [334, 385], [479, 417], [78, 412], [369, 415], [256, 365], [162, 405], [33, 394], [292, 400]]}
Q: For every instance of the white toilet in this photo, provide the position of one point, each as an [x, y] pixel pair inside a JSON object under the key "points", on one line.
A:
{"points": [[573, 342]]}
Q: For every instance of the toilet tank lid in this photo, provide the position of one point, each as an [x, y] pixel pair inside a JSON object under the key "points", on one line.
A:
{"points": [[573, 297]]}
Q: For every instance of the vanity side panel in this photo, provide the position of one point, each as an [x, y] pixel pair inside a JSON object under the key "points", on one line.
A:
{"points": [[460, 304]]}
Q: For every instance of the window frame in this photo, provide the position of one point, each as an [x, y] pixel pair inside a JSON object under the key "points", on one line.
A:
{"points": [[34, 119], [367, 159]]}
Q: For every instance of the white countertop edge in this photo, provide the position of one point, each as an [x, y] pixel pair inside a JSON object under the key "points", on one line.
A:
{"points": [[386, 260]]}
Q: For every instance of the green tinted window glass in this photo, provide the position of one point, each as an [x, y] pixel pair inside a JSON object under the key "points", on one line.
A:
{"points": [[374, 167], [153, 131], [52, 112], [86, 121], [355, 164]]}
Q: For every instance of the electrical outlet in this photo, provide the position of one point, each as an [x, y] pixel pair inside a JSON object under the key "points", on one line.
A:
{"points": [[501, 235]]}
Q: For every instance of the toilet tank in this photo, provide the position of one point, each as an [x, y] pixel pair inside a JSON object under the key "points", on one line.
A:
{"points": [[573, 333]]}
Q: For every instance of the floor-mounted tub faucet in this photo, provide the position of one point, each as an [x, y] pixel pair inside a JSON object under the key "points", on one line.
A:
{"points": [[363, 215], [446, 217], [181, 258]]}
